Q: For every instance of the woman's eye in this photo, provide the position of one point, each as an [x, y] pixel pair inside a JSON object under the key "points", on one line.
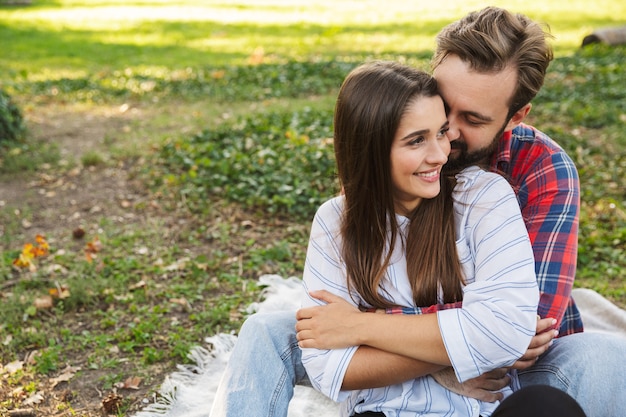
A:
{"points": [[442, 132], [417, 140]]}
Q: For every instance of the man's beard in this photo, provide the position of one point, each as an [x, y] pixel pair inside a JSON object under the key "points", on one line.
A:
{"points": [[464, 159]]}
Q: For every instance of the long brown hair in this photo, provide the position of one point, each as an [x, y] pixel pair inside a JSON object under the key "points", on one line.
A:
{"points": [[371, 102]]}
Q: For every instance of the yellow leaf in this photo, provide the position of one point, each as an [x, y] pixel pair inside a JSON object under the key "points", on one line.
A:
{"points": [[60, 292], [30, 252], [92, 248], [24, 260], [42, 243]]}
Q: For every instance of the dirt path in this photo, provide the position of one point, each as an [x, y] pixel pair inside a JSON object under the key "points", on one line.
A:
{"points": [[55, 202]]}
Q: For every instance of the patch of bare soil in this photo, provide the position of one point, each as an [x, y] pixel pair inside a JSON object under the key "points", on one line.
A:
{"points": [[57, 202], [67, 198]]}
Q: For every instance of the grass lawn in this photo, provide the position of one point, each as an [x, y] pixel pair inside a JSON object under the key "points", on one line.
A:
{"points": [[201, 131]]}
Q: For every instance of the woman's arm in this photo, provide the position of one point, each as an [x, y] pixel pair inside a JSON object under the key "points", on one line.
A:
{"points": [[333, 367], [338, 324], [497, 320]]}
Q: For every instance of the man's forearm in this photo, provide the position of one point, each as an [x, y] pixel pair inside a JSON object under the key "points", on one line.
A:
{"points": [[372, 368]]}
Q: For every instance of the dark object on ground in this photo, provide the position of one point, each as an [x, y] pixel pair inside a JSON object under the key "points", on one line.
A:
{"points": [[11, 121], [610, 36]]}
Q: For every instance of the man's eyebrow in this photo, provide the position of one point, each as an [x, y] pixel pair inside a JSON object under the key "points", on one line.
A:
{"points": [[478, 116]]}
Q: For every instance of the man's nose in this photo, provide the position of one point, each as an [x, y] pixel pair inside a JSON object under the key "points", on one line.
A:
{"points": [[453, 132]]}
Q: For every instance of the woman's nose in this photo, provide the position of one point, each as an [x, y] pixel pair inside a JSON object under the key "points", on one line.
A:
{"points": [[439, 152]]}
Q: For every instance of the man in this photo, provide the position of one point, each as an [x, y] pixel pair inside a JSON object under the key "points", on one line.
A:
{"points": [[489, 66]]}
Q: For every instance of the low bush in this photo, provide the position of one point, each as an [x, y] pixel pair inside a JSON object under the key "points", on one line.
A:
{"points": [[280, 162], [12, 126]]}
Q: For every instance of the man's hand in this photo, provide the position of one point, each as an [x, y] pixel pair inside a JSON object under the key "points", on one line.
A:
{"points": [[539, 343], [330, 326], [483, 388]]}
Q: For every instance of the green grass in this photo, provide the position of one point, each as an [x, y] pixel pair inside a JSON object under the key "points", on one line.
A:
{"points": [[256, 81], [135, 48]]}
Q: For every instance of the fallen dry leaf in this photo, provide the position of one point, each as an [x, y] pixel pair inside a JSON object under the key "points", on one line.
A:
{"points": [[92, 248], [131, 382], [59, 292], [178, 265], [43, 302], [67, 374], [31, 357], [138, 285], [25, 259], [18, 393], [35, 398], [12, 367], [54, 268], [61, 378], [30, 252], [181, 301]]}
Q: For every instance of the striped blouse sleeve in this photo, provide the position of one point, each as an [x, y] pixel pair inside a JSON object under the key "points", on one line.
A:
{"points": [[497, 320], [324, 269]]}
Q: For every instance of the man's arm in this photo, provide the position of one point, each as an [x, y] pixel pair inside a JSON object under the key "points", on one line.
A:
{"points": [[549, 199]]}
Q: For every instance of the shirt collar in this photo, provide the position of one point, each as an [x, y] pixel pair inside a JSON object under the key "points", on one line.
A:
{"points": [[503, 155]]}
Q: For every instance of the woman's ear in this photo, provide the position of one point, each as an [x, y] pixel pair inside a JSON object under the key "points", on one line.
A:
{"points": [[518, 117]]}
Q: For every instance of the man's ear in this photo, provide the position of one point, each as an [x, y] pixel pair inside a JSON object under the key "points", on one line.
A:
{"points": [[518, 117]]}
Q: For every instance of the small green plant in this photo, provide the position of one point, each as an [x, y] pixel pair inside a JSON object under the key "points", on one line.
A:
{"points": [[152, 355], [12, 127], [92, 159], [280, 162], [48, 360]]}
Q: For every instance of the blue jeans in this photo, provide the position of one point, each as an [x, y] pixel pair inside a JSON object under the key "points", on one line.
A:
{"points": [[263, 369], [590, 367], [266, 364]]}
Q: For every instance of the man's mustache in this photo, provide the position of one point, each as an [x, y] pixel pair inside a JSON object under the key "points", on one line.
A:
{"points": [[457, 144]]}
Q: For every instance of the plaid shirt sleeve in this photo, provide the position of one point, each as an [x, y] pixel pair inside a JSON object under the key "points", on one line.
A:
{"points": [[550, 198]]}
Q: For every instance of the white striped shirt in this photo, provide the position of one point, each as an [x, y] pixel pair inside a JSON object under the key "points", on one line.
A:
{"points": [[492, 329]]}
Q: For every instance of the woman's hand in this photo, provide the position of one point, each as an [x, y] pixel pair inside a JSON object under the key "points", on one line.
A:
{"points": [[331, 326]]}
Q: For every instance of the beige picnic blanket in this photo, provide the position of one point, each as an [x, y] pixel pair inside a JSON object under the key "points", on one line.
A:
{"points": [[598, 313], [189, 392]]}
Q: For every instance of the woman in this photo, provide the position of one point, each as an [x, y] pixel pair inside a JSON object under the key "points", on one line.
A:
{"points": [[404, 235]]}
